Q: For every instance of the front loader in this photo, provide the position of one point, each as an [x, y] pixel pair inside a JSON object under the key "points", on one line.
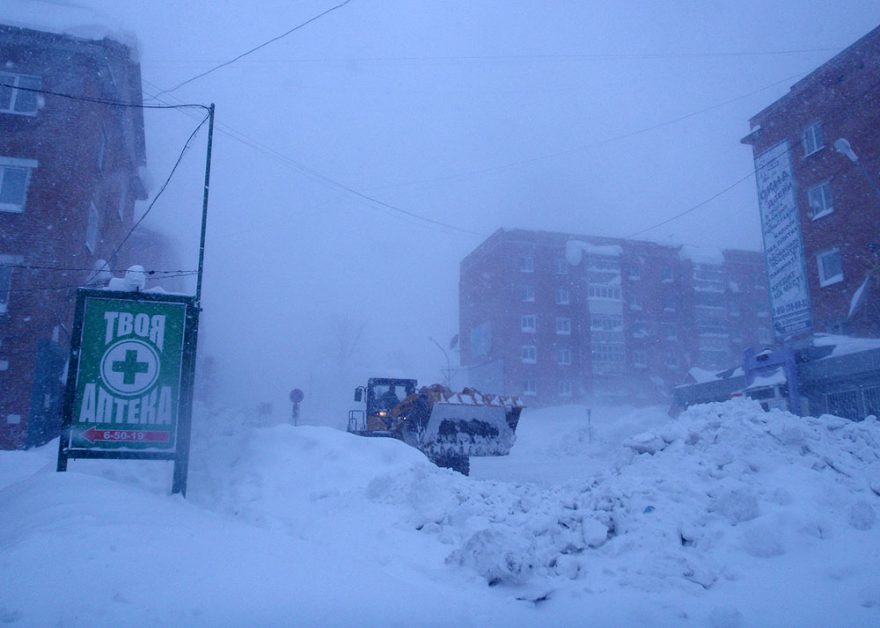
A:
{"points": [[447, 427]]}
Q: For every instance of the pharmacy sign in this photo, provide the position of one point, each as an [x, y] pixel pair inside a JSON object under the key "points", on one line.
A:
{"points": [[129, 389]]}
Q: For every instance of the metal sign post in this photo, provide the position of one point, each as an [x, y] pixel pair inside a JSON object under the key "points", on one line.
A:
{"points": [[129, 388], [296, 396]]}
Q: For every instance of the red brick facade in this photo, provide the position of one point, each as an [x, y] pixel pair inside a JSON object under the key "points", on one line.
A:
{"points": [[77, 164], [560, 317], [838, 200]]}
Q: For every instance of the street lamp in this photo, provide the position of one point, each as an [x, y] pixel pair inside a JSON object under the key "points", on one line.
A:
{"points": [[448, 374]]}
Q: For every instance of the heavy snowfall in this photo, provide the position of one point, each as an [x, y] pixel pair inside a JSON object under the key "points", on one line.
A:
{"points": [[725, 516]]}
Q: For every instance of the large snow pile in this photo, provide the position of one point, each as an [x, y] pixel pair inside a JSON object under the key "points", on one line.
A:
{"points": [[725, 516]]}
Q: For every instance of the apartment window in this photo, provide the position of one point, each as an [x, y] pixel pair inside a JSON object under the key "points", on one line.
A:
{"points": [[670, 331], [561, 266], [666, 274], [563, 357], [603, 292], [529, 388], [635, 302], [672, 360], [565, 388], [527, 294], [528, 354], [92, 229], [812, 138], [830, 267], [562, 296], [527, 264], [639, 329], [819, 198], [528, 323], [640, 359], [14, 94], [563, 326], [668, 303], [6, 268], [15, 175], [635, 273]]}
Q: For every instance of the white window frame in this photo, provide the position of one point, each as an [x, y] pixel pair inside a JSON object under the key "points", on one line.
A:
{"points": [[563, 326], [640, 358], [635, 273], [561, 266], [15, 80], [565, 388], [529, 388], [813, 138], [667, 275], [526, 264], [563, 297], [92, 228], [20, 164], [527, 294], [563, 357], [7, 262], [528, 323], [833, 279], [528, 354], [820, 200]]}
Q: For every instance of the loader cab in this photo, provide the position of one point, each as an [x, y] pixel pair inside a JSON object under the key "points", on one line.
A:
{"points": [[385, 393], [380, 395]]}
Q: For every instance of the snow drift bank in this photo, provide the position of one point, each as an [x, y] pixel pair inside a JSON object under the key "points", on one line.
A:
{"points": [[727, 516]]}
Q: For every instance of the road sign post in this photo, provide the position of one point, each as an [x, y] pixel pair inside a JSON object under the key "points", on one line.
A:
{"points": [[130, 379], [296, 396]]}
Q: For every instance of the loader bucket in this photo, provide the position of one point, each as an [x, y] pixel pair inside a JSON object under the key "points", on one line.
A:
{"points": [[441, 423]]}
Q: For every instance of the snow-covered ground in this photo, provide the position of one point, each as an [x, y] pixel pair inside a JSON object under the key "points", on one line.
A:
{"points": [[726, 516]]}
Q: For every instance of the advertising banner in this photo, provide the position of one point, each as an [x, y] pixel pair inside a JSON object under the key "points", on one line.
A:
{"points": [[783, 247]]}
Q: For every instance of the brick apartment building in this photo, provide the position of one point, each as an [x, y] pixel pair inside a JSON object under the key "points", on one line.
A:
{"points": [[68, 184], [819, 202], [560, 317]]}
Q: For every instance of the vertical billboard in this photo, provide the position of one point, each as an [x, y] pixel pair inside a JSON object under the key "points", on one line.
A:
{"points": [[783, 247]]}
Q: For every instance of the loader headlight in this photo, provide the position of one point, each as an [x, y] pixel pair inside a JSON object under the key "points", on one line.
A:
{"points": [[382, 413]]}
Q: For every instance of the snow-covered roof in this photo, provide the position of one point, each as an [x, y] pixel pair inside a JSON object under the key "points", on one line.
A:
{"points": [[575, 250], [701, 255], [844, 345], [776, 377]]}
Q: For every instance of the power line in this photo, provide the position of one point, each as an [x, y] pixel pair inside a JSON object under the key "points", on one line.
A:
{"points": [[161, 190], [303, 169], [843, 111], [527, 57], [78, 269], [254, 49], [101, 101], [602, 142]]}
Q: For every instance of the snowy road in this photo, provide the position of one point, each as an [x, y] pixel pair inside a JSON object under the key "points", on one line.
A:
{"points": [[726, 516]]}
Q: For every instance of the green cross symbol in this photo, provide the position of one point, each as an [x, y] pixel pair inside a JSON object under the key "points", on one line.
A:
{"points": [[130, 367]]}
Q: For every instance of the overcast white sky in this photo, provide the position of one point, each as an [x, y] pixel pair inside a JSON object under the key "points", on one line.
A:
{"points": [[594, 117]]}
